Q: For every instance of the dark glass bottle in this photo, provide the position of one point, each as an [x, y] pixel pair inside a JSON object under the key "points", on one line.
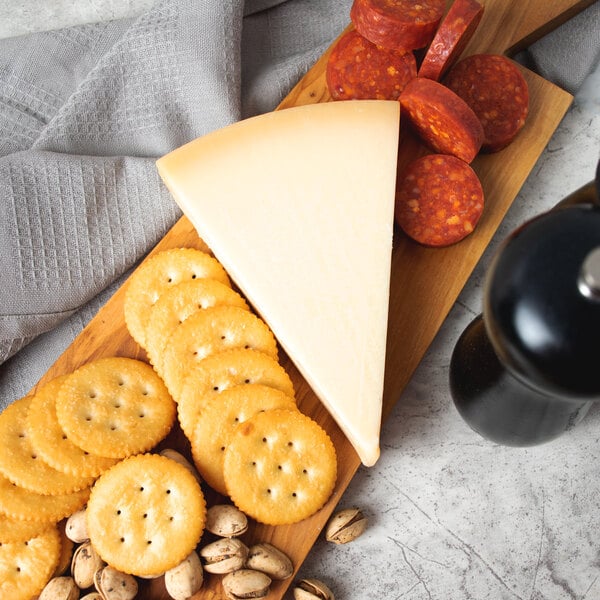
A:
{"points": [[528, 368]]}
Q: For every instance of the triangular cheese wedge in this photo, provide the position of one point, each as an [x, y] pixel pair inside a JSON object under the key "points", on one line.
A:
{"points": [[298, 206]]}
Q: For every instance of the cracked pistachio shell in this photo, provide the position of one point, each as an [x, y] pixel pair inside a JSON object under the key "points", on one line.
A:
{"points": [[60, 588], [76, 527], [224, 555], [246, 583], [92, 596], [345, 526], [185, 579], [114, 585], [312, 589], [226, 520], [270, 560], [84, 564]]}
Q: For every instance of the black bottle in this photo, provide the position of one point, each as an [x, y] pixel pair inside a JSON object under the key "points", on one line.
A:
{"points": [[528, 368]]}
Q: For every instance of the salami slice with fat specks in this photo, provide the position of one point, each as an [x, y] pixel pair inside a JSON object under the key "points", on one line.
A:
{"points": [[495, 89], [399, 24], [439, 200], [451, 38], [357, 69], [442, 119]]}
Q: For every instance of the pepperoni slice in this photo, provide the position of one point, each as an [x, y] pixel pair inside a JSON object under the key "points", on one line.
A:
{"points": [[451, 38], [494, 87], [442, 119], [439, 200], [357, 69], [400, 24]]}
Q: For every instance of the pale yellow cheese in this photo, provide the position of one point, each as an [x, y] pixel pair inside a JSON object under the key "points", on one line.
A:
{"points": [[298, 206]]}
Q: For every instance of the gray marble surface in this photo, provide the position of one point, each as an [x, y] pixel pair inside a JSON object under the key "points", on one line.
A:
{"points": [[453, 516]]}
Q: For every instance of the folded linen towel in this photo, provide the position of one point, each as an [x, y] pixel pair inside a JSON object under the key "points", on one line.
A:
{"points": [[85, 111]]}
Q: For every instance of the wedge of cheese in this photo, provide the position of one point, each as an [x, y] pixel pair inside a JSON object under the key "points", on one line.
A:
{"points": [[298, 206]]}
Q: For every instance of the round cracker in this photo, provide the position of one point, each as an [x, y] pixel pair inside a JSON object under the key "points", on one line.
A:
{"points": [[19, 503], [176, 304], [115, 407], [280, 467], [145, 514], [26, 567], [210, 331], [157, 274], [218, 421], [221, 371], [19, 530], [19, 461], [50, 441]]}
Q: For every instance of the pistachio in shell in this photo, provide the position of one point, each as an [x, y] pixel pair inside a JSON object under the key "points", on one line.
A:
{"points": [[60, 588], [312, 589], [226, 520], [84, 564], [345, 526], [185, 579], [246, 583], [224, 555], [76, 527], [270, 560], [114, 585]]}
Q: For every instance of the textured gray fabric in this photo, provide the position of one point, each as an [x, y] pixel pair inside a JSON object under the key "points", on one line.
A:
{"points": [[84, 113]]}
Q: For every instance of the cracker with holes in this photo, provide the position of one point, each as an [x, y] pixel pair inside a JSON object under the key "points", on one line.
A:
{"points": [[19, 503], [20, 530], [50, 441], [179, 302], [210, 331], [217, 423], [280, 467], [19, 461], [26, 567], [221, 371], [157, 274], [115, 407], [145, 514]]}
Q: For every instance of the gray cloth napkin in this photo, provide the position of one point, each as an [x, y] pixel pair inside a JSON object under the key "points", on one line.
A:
{"points": [[84, 113]]}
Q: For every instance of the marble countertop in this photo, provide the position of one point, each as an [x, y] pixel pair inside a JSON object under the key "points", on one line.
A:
{"points": [[452, 515]]}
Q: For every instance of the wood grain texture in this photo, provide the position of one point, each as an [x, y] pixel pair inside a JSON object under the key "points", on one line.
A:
{"points": [[424, 282]]}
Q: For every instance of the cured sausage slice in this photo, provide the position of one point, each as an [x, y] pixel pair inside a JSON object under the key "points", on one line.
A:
{"points": [[442, 119], [439, 200], [400, 24], [357, 69], [494, 87], [451, 38]]}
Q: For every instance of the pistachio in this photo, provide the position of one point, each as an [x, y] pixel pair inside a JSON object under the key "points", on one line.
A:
{"points": [[185, 579], [85, 562], [226, 520], [92, 596], [312, 589], [60, 588], [114, 585], [270, 560], [224, 555], [345, 526], [246, 583], [182, 460], [76, 527]]}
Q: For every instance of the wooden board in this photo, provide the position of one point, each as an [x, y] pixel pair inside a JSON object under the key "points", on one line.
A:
{"points": [[424, 282]]}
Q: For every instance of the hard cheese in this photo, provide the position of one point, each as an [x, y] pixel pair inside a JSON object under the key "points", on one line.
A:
{"points": [[298, 206]]}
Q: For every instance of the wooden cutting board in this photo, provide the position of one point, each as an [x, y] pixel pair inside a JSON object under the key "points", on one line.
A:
{"points": [[424, 282]]}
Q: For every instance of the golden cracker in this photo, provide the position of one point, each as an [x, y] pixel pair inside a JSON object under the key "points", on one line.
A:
{"points": [[221, 371], [145, 514], [19, 503], [66, 551], [19, 530], [26, 567], [179, 302], [50, 441], [280, 467], [115, 407], [210, 331], [157, 274], [19, 461], [217, 422]]}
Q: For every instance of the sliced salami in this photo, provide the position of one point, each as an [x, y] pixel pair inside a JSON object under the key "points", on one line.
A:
{"points": [[357, 69], [439, 200], [442, 119], [494, 87], [451, 38], [400, 24]]}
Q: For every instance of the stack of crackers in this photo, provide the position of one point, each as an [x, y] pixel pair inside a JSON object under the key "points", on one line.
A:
{"points": [[85, 438]]}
